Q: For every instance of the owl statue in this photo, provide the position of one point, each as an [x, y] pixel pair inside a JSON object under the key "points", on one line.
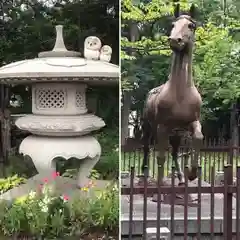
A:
{"points": [[105, 53], [92, 46]]}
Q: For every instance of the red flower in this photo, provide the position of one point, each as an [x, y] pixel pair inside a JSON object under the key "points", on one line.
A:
{"points": [[55, 174]]}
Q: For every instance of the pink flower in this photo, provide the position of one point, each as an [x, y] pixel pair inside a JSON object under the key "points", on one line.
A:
{"points": [[40, 187], [45, 180], [65, 198], [91, 184], [55, 174]]}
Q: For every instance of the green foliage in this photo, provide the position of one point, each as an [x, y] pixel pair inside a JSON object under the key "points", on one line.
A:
{"points": [[21, 166], [217, 68], [10, 182], [145, 52], [102, 211], [29, 28], [108, 165], [46, 215], [107, 104]]}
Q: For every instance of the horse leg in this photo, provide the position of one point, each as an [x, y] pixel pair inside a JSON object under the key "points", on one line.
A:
{"points": [[162, 144], [197, 141], [175, 143], [146, 135], [197, 131]]}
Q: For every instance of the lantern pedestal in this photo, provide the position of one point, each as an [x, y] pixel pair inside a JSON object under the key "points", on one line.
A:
{"points": [[44, 150]]}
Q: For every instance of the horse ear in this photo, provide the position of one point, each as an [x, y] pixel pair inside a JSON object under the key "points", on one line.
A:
{"points": [[192, 11], [177, 10]]}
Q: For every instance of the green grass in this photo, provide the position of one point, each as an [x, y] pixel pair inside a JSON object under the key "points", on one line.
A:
{"points": [[208, 160]]}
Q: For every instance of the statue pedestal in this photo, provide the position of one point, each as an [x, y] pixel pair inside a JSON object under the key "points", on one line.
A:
{"points": [[179, 199]]}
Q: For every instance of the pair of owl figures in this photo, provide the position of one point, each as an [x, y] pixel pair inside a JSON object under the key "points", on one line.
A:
{"points": [[93, 49]]}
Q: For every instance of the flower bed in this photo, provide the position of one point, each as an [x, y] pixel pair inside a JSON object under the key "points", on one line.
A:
{"points": [[45, 214]]}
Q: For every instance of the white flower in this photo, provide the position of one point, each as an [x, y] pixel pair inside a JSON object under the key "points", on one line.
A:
{"points": [[44, 206], [46, 199], [46, 190], [32, 195], [44, 209]]}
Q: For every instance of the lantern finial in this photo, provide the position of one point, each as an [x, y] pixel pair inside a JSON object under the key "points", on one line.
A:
{"points": [[59, 44], [59, 49]]}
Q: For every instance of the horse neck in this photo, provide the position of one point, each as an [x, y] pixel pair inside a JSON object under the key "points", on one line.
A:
{"points": [[181, 70]]}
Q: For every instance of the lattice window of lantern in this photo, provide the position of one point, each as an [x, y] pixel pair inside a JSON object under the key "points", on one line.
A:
{"points": [[50, 98], [80, 99]]}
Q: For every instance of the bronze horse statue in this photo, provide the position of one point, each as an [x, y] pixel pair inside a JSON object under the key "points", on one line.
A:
{"points": [[176, 104]]}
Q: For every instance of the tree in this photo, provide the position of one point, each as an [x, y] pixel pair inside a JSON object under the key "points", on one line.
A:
{"points": [[216, 59], [27, 28]]}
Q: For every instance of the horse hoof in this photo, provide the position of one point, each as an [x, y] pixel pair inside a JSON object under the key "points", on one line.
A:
{"points": [[192, 174], [198, 136], [181, 184]]}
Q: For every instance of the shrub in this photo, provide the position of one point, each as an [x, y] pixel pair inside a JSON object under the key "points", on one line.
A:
{"points": [[21, 165], [44, 213], [100, 213], [108, 165]]}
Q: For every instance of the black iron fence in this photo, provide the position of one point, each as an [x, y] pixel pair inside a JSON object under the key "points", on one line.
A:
{"points": [[227, 214], [201, 209], [214, 152]]}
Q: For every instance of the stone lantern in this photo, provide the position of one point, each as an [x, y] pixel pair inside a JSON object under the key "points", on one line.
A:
{"points": [[60, 123]]}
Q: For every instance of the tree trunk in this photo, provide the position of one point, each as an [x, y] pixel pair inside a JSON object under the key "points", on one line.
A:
{"points": [[125, 116], [234, 129], [134, 35]]}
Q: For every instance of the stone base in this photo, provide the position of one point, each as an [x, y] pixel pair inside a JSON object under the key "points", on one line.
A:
{"points": [[62, 185], [152, 233], [44, 150], [165, 198]]}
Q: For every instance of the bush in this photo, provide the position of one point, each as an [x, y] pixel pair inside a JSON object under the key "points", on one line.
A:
{"points": [[21, 165], [98, 214], [45, 214], [108, 165]]}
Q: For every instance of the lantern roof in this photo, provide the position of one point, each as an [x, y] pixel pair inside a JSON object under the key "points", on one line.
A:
{"points": [[61, 65]]}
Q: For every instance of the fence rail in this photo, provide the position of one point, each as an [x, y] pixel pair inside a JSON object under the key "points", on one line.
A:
{"points": [[212, 152]]}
